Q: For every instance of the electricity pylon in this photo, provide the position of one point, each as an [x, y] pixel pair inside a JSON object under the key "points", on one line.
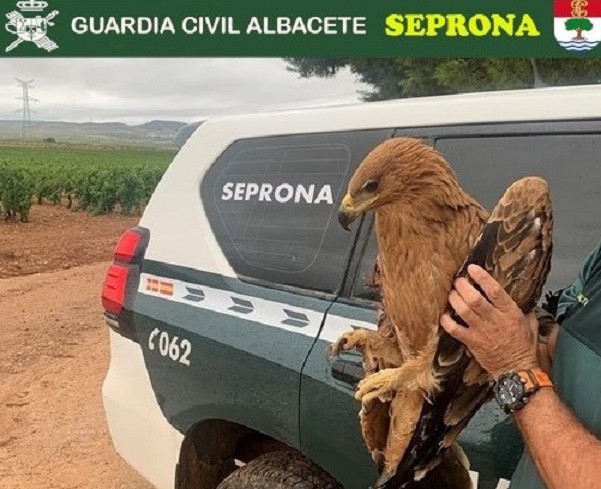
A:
{"points": [[26, 110]]}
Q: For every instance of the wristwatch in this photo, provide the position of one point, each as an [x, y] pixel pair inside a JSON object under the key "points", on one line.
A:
{"points": [[512, 390]]}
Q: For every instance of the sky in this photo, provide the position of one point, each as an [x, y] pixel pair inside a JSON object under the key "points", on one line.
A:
{"points": [[138, 90]]}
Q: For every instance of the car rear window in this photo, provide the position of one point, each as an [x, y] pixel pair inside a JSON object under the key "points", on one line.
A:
{"points": [[272, 204]]}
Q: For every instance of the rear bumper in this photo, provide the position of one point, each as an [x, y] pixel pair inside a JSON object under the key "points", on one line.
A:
{"points": [[140, 433]]}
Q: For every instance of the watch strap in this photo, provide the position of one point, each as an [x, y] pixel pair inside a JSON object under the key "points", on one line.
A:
{"points": [[534, 379]]}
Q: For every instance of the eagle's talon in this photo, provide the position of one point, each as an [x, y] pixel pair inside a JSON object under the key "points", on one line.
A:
{"points": [[380, 386], [348, 341], [366, 409], [333, 350], [428, 397], [379, 458]]}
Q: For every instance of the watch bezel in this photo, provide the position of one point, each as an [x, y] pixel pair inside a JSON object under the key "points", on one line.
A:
{"points": [[501, 387]]}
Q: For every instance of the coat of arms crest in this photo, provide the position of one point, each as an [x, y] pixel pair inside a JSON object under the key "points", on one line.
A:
{"points": [[578, 24], [31, 29]]}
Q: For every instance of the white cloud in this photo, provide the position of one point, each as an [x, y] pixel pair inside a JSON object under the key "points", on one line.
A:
{"points": [[138, 90]]}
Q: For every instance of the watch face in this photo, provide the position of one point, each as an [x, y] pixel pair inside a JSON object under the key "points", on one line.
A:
{"points": [[509, 391]]}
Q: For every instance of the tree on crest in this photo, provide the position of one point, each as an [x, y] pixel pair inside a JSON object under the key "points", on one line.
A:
{"points": [[579, 24]]}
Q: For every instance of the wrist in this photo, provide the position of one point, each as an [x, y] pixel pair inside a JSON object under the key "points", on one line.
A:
{"points": [[521, 366], [535, 399]]}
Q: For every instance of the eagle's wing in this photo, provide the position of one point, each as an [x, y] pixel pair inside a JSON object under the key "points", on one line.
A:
{"points": [[515, 247]]}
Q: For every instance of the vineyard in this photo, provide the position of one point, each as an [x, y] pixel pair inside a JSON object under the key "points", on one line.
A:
{"points": [[93, 179]]}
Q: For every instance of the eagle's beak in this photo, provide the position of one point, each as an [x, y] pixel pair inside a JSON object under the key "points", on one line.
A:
{"points": [[347, 212]]}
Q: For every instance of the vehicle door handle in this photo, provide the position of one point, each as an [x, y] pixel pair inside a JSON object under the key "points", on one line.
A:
{"points": [[347, 371]]}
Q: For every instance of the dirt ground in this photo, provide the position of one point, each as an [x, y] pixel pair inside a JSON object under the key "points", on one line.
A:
{"points": [[56, 238], [54, 354]]}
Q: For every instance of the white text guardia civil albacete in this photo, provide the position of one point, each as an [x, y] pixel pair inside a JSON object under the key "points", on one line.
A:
{"points": [[220, 25]]}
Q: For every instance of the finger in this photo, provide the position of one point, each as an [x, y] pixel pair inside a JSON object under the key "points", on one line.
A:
{"points": [[493, 290], [460, 333], [473, 298], [463, 310]]}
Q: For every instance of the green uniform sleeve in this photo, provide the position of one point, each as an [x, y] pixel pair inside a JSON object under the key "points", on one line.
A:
{"points": [[570, 295]]}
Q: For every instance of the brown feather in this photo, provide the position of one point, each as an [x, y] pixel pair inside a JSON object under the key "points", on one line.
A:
{"points": [[521, 267], [426, 226]]}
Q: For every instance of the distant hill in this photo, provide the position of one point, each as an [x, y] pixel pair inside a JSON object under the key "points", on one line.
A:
{"points": [[153, 133]]}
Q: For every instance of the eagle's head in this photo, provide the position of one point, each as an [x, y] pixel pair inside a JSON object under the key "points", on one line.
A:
{"points": [[399, 170]]}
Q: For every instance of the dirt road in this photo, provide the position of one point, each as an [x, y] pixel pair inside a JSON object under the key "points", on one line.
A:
{"points": [[53, 358]]}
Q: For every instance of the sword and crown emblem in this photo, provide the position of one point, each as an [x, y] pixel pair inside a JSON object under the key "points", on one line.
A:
{"points": [[31, 29]]}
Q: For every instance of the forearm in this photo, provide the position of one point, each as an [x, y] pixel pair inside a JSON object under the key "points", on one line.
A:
{"points": [[503, 340], [566, 454]]}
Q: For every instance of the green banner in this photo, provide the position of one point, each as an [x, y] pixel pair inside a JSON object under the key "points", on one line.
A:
{"points": [[321, 28]]}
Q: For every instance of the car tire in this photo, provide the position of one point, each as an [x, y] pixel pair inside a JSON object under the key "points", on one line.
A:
{"points": [[280, 470]]}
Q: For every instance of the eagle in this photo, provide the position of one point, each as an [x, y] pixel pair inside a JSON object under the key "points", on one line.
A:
{"points": [[421, 386]]}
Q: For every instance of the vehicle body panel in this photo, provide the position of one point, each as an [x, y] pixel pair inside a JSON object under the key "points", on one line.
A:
{"points": [[257, 349]]}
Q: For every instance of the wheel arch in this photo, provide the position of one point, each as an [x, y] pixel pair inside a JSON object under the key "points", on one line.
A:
{"points": [[213, 448]]}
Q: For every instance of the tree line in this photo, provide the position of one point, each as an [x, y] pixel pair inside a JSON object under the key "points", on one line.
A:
{"points": [[390, 78]]}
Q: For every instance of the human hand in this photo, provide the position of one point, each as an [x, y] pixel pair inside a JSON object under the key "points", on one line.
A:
{"points": [[500, 337]]}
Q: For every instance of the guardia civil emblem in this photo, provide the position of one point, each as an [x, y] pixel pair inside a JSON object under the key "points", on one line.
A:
{"points": [[31, 29], [578, 24]]}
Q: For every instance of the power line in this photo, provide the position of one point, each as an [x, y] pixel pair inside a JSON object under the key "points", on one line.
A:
{"points": [[26, 110]]}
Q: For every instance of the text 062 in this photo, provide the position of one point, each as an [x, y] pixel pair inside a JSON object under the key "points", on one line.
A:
{"points": [[172, 347]]}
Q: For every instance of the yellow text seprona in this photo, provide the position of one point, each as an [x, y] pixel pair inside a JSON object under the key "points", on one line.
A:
{"points": [[453, 25]]}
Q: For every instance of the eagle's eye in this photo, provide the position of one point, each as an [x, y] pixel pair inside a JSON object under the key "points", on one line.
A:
{"points": [[371, 186]]}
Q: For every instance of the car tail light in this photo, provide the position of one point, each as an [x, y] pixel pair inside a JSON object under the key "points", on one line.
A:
{"points": [[127, 247], [124, 270], [113, 289]]}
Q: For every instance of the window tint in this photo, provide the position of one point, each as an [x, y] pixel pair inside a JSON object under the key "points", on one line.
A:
{"points": [[363, 287], [272, 204], [571, 164]]}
